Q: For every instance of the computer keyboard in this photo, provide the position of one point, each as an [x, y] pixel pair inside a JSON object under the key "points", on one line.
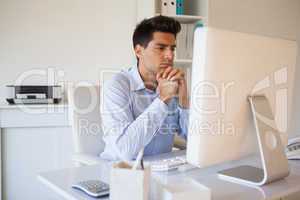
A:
{"points": [[168, 164], [94, 188]]}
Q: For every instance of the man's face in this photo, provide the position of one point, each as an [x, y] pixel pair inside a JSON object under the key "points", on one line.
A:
{"points": [[159, 54]]}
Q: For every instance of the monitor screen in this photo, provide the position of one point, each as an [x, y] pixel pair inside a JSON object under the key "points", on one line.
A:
{"points": [[227, 67]]}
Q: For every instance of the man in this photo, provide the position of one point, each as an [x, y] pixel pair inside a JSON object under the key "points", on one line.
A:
{"points": [[145, 106]]}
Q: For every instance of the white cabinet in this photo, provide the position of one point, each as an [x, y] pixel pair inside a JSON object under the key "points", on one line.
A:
{"points": [[35, 138]]}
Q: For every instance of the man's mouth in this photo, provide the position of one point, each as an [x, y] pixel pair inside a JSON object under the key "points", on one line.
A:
{"points": [[166, 65]]}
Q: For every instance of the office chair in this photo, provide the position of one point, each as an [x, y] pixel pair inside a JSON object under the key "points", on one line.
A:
{"points": [[84, 113]]}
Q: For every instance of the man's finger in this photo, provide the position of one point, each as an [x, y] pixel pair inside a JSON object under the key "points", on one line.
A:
{"points": [[172, 73], [178, 76], [181, 82], [167, 71], [159, 75]]}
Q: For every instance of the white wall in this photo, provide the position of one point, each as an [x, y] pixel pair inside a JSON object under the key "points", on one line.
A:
{"points": [[295, 126], [82, 37], [76, 36], [279, 18], [276, 18]]}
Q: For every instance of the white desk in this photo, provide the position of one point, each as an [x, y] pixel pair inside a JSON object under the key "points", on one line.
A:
{"points": [[60, 181]]}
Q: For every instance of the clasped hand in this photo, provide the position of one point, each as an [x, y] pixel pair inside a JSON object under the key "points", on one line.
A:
{"points": [[172, 83]]}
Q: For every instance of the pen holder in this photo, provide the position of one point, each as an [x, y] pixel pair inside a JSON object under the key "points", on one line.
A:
{"points": [[126, 183]]}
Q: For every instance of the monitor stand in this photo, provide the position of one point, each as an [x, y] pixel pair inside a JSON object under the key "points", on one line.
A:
{"points": [[274, 161]]}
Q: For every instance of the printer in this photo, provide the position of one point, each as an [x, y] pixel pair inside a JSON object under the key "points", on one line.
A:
{"points": [[34, 94]]}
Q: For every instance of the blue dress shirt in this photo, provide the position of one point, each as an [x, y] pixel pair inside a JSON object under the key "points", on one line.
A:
{"points": [[133, 117]]}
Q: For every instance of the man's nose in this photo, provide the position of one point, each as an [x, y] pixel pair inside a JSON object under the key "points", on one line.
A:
{"points": [[169, 54]]}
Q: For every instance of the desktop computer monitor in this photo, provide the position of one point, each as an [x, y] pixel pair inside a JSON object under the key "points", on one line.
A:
{"points": [[227, 67]]}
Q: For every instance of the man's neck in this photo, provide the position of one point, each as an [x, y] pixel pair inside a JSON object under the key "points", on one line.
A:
{"points": [[148, 77]]}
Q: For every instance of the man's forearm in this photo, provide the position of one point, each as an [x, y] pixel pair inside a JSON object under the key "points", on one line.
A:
{"points": [[183, 122], [183, 102], [140, 132]]}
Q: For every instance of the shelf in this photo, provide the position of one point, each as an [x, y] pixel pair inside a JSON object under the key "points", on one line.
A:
{"points": [[183, 61], [32, 106], [185, 19]]}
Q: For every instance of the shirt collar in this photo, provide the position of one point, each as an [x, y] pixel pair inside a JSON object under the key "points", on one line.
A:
{"points": [[137, 83]]}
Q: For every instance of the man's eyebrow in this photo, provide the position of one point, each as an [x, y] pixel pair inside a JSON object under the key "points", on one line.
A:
{"points": [[164, 45]]}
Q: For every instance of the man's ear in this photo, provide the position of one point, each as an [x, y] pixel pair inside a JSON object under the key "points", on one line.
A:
{"points": [[138, 50]]}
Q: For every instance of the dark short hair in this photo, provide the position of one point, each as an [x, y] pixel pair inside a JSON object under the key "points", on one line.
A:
{"points": [[143, 32]]}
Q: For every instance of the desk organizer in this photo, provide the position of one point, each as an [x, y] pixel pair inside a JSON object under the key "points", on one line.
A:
{"points": [[126, 183]]}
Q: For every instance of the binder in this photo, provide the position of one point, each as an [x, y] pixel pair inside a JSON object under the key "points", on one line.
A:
{"points": [[168, 7], [172, 7], [164, 7], [179, 7]]}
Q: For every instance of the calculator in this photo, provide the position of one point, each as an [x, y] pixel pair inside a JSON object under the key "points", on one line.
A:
{"points": [[94, 188]]}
